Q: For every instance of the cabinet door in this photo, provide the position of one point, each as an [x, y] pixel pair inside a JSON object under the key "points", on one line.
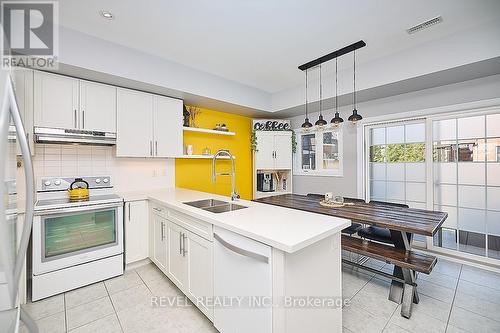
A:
{"points": [[264, 157], [200, 263], [283, 149], [136, 231], [177, 261], [159, 246], [168, 137], [134, 130], [55, 101], [97, 107], [23, 86]]}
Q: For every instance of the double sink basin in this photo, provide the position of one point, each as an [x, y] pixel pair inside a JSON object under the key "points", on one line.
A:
{"points": [[214, 206]]}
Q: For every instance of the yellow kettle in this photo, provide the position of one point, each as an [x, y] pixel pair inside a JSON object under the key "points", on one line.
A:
{"points": [[78, 193]]}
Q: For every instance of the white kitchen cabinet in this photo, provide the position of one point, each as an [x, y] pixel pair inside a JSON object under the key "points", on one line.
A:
{"points": [[55, 101], [168, 119], [200, 270], [69, 103], [97, 107], [177, 260], [136, 231], [134, 124], [158, 241], [148, 125], [23, 87], [274, 150]]}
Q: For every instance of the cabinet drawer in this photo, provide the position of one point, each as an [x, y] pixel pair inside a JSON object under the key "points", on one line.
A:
{"points": [[159, 210], [202, 229]]}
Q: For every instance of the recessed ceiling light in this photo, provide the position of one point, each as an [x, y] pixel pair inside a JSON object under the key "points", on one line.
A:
{"points": [[107, 15]]}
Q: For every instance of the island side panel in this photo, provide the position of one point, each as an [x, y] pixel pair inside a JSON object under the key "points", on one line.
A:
{"points": [[314, 271]]}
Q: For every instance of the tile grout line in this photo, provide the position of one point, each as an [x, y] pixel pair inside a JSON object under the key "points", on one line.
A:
{"points": [[114, 309], [65, 314], [453, 300]]}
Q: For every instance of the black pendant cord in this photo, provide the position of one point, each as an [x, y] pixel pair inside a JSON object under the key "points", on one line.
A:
{"points": [[354, 95], [336, 88], [306, 94], [320, 92]]}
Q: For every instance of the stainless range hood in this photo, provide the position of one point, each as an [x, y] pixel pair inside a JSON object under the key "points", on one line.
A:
{"points": [[59, 135]]}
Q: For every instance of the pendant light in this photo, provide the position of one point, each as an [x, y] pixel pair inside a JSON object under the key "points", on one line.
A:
{"points": [[306, 123], [320, 121], [337, 120], [355, 116]]}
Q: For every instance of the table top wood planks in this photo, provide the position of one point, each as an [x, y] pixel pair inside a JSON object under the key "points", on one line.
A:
{"points": [[411, 220]]}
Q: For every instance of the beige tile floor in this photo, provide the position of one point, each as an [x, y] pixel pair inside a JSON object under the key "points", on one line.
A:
{"points": [[454, 298]]}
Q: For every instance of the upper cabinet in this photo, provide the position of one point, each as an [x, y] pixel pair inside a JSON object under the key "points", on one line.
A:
{"points": [[97, 107], [55, 101], [69, 103], [274, 150], [23, 86], [148, 125]]}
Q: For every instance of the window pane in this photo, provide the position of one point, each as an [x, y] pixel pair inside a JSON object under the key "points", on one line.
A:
{"points": [[472, 150], [472, 220], [493, 125], [493, 150], [377, 136], [472, 242], [377, 171], [415, 172], [377, 154], [445, 130], [396, 153], [494, 247], [395, 134], [444, 151], [471, 127], [415, 133], [471, 173], [396, 172], [472, 197], [446, 238], [309, 151], [415, 152]]}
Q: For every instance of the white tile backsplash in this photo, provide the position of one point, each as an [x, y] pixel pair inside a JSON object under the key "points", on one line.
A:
{"points": [[128, 174]]}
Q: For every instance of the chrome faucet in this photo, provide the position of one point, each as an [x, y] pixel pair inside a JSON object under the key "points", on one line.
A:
{"points": [[234, 195]]}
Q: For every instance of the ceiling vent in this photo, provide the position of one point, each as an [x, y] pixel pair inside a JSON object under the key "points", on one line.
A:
{"points": [[424, 25]]}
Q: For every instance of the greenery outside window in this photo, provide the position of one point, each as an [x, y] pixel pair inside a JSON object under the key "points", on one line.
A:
{"points": [[319, 152]]}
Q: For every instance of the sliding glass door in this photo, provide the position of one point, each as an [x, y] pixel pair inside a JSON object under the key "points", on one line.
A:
{"points": [[448, 163], [467, 183]]}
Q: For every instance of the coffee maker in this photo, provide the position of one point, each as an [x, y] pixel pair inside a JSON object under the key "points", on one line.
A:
{"points": [[265, 182]]}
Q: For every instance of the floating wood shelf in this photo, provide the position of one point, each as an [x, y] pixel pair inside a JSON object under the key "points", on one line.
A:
{"points": [[204, 157], [207, 131]]}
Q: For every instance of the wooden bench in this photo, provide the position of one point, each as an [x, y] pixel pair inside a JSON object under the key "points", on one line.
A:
{"points": [[408, 261]]}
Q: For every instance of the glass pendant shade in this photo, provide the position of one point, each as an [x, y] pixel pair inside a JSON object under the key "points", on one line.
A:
{"points": [[337, 119], [354, 117]]}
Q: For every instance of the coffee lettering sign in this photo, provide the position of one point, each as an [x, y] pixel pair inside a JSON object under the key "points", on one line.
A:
{"points": [[271, 125]]}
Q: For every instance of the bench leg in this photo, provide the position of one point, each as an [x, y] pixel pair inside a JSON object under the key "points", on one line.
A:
{"points": [[409, 292], [396, 289]]}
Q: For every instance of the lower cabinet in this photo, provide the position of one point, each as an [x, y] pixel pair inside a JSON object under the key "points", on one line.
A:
{"points": [[184, 256], [136, 231], [158, 241]]}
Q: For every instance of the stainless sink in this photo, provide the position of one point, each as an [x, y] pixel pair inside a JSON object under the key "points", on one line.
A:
{"points": [[224, 208], [205, 203], [214, 206]]}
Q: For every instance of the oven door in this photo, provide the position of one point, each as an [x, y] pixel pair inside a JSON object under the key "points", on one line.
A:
{"points": [[68, 237]]}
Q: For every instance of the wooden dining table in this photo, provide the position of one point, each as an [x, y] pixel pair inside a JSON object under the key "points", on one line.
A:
{"points": [[402, 222]]}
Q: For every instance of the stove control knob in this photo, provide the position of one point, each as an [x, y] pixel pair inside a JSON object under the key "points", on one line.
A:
{"points": [[105, 180], [47, 183], [57, 182], [98, 180]]}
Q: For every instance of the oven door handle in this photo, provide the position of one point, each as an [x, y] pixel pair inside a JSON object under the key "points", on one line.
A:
{"points": [[78, 209]]}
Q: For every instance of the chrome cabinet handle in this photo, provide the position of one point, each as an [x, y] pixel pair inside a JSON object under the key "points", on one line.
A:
{"points": [[180, 242], [184, 237], [156, 147], [241, 251], [83, 118], [157, 209], [129, 211], [162, 230], [76, 117]]}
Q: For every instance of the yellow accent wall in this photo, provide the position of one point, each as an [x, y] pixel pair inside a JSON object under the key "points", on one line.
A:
{"points": [[196, 174]]}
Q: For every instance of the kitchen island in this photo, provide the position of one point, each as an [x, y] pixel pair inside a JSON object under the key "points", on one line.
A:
{"points": [[285, 264]]}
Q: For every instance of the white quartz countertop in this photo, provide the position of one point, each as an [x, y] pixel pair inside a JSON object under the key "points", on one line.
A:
{"points": [[286, 229]]}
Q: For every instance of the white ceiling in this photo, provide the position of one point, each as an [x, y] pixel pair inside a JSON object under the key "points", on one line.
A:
{"points": [[260, 43]]}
